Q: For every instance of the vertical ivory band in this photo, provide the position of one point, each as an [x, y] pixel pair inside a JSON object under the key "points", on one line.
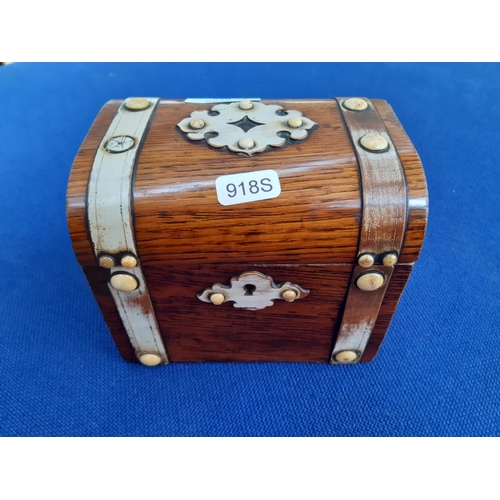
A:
{"points": [[111, 224], [383, 223]]}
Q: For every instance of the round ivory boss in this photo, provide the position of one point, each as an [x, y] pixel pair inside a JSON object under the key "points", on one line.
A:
{"points": [[374, 142], [150, 359], [289, 295], [366, 260], [295, 122], [197, 123], [217, 298], [129, 261], [246, 104], [345, 356], [355, 104], [246, 143], [137, 104], [369, 282], [390, 259], [106, 261], [124, 282]]}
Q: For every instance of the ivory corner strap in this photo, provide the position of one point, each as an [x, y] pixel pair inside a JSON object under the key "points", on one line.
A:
{"points": [[383, 226], [111, 226]]}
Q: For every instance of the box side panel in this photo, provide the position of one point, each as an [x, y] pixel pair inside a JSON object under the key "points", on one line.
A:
{"points": [[417, 186], [315, 219]]}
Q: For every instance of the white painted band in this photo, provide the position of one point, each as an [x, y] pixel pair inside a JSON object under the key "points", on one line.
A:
{"points": [[111, 227]]}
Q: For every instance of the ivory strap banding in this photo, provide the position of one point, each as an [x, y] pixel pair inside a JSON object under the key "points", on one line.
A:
{"points": [[383, 224], [383, 181], [360, 314], [111, 225]]}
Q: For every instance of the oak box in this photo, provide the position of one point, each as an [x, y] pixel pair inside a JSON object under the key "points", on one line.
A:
{"points": [[247, 230]]}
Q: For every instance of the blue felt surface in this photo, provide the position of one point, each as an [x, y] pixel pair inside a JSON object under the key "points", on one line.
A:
{"points": [[438, 371]]}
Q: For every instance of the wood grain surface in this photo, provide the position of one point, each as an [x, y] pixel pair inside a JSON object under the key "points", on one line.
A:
{"points": [[314, 220], [187, 241]]}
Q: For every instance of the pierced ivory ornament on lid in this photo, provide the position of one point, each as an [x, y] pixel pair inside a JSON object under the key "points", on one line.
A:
{"points": [[246, 127]]}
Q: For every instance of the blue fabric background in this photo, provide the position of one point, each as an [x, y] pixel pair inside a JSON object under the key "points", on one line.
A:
{"points": [[438, 371]]}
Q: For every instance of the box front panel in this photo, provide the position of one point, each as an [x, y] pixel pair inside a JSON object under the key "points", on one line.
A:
{"points": [[193, 330]]}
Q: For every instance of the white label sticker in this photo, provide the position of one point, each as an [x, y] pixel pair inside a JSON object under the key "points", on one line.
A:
{"points": [[247, 187]]}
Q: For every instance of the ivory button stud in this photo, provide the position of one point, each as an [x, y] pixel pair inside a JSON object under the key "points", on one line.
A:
{"points": [[107, 261], [246, 143], [217, 298], [345, 356], [246, 104], [124, 282], [137, 104], [355, 104], [390, 259], [129, 261], [150, 359], [374, 142], [295, 122], [366, 260], [289, 295], [197, 123], [369, 282]]}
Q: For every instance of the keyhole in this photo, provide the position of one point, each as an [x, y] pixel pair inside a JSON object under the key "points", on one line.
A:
{"points": [[249, 289]]}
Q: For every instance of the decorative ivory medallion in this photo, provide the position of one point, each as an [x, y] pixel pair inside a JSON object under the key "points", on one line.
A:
{"points": [[247, 127]]}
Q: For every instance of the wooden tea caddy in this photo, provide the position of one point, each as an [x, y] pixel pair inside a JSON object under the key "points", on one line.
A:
{"points": [[247, 230]]}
